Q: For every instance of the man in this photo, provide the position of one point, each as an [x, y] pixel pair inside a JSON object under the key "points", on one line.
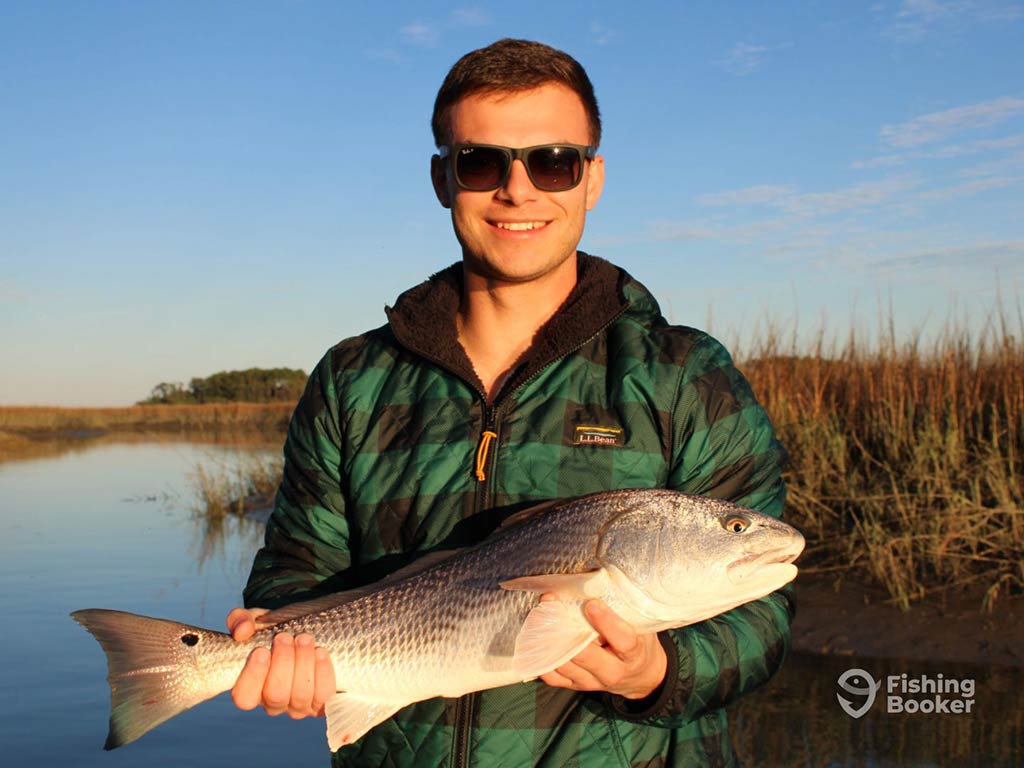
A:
{"points": [[481, 396]]}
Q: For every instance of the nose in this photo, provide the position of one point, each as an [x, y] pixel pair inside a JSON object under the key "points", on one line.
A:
{"points": [[518, 188]]}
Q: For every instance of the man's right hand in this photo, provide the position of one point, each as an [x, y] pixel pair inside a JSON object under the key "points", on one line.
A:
{"points": [[295, 677]]}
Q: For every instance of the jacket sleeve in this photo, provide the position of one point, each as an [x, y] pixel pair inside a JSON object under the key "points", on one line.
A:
{"points": [[307, 537], [723, 446]]}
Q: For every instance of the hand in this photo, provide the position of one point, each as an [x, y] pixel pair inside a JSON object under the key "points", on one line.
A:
{"points": [[620, 661], [295, 677]]}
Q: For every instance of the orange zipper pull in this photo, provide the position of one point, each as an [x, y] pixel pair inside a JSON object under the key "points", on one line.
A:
{"points": [[481, 453]]}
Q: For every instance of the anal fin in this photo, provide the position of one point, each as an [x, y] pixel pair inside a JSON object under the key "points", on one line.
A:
{"points": [[349, 716]]}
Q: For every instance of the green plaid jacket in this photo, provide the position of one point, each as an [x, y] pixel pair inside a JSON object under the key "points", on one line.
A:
{"points": [[381, 466]]}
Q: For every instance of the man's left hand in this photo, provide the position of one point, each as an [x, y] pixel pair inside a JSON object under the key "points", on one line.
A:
{"points": [[620, 661]]}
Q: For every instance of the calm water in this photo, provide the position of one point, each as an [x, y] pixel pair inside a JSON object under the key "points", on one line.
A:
{"points": [[78, 532], [112, 527]]}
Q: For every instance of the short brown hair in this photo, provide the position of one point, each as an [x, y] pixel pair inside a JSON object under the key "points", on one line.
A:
{"points": [[512, 65]]}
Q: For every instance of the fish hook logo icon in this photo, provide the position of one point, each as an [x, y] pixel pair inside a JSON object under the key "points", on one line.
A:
{"points": [[850, 681]]}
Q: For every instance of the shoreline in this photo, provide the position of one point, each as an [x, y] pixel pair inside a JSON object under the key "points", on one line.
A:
{"points": [[838, 614], [841, 617]]}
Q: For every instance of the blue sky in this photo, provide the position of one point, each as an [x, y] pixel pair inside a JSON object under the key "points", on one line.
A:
{"points": [[191, 186]]}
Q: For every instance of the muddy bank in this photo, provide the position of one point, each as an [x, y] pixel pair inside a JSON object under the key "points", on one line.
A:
{"points": [[843, 618]]}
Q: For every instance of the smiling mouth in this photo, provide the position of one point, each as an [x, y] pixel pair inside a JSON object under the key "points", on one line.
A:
{"points": [[520, 226]]}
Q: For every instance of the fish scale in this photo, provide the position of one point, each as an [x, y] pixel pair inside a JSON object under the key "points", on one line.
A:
{"points": [[466, 621]]}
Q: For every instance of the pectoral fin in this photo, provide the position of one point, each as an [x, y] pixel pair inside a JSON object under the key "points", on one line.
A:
{"points": [[350, 716], [552, 634], [578, 586]]}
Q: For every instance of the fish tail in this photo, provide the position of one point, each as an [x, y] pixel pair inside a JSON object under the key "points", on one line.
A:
{"points": [[155, 667]]}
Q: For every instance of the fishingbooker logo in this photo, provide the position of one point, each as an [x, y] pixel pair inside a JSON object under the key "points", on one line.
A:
{"points": [[905, 694], [859, 683]]}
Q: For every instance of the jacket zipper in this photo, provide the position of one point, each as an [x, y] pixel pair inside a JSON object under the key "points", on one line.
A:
{"points": [[483, 450], [485, 460], [490, 410], [463, 727], [571, 350]]}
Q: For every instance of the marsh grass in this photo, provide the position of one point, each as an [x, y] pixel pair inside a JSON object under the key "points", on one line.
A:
{"points": [[36, 421], [222, 492], [226, 498], [907, 459]]}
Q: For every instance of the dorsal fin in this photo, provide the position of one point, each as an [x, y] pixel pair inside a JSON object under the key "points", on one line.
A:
{"points": [[530, 513], [318, 604]]}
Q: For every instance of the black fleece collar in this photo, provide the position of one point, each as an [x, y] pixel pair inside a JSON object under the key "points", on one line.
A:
{"points": [[423, 320]]}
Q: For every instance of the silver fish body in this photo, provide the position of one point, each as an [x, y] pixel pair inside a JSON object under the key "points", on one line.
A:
{"points": [[458, 622]]}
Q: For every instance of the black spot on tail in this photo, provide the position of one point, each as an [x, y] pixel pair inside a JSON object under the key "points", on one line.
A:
{"points": [[190, 639]]}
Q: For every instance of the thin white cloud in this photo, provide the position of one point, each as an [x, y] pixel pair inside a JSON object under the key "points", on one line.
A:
{"points": [[384, 54], [682, 230], [757, 195], [468, 17], [983, 145], [1004, 254], [866, 195], [995, 167], [420, 33], [949, 151], [428, 33], [744, 59], [600, 34], [870, 194], [917, 19], [968, 188], [885, 161], [938, 126]]}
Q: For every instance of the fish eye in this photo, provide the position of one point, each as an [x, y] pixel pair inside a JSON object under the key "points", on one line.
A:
{"points": [[736, 524]]}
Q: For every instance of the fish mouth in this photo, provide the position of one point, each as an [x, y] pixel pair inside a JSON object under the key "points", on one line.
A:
{"points": [[744, 566]]}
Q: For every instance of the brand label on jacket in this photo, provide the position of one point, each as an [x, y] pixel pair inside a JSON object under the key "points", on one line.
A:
{"points": [[614, 437]]}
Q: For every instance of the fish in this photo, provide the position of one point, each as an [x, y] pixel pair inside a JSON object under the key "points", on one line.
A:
{"points": [[466, 620]]}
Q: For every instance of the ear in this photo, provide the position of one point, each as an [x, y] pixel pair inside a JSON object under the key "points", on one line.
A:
{"points": [[595, 181], [439, 178]]}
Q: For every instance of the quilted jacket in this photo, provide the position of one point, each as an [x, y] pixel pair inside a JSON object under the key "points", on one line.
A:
{"points": [[386, 459]]}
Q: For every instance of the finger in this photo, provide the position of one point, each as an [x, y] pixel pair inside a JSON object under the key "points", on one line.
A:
{"points": [[548, 597], [242, 623], [594, 658], [620, 637], [581, 679], [248, 689], [556, 679], [303, 683], [324, 681], [278, 687]]}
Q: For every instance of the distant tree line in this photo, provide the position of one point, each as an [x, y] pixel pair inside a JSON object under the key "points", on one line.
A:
{"points": [[253, 385]]}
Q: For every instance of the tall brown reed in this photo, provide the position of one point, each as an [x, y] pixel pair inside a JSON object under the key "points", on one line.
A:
{"points": [[907, 458], [39, 420], [224, 498]]}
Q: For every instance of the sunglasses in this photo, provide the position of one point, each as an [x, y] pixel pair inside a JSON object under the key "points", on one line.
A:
{"points": [[551, 167]]}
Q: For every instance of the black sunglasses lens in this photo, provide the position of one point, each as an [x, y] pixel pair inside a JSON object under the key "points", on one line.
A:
{"points": [[480, 168], [554, 168]]}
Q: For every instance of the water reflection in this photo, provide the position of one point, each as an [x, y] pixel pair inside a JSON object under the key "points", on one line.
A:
{"points": [[213, 534], [20, 448], [69, 541], [231, 501], [797, 721]]}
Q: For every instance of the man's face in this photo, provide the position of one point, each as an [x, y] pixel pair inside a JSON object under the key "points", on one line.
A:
{"points": [[517, 233]]}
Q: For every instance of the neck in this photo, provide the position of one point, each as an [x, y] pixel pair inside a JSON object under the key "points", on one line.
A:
{"points": [[497, 320]]}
